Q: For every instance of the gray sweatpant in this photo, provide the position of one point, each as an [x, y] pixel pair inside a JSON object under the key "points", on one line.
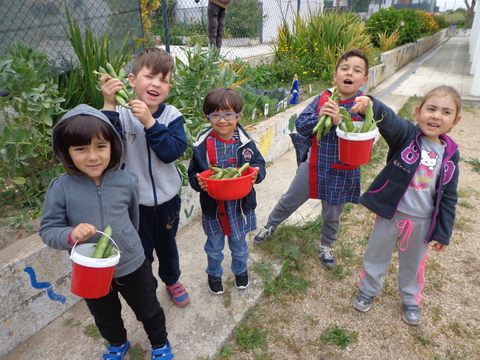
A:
{"points": [[412, 255], [297, 194]]}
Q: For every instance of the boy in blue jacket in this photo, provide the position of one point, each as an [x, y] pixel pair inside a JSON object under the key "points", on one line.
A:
{"points": [[225, 144]]}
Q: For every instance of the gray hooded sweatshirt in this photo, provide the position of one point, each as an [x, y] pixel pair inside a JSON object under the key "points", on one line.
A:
{"points": [[71, 200]]}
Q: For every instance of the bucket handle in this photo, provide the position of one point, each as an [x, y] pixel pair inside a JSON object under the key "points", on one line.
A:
{"points": [[100, 232]]}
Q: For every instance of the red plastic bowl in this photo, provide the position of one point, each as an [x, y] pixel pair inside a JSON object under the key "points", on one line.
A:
{"points": [[229, 189]]}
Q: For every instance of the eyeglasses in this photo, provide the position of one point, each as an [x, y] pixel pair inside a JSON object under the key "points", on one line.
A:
{"points": [[229, 116]]}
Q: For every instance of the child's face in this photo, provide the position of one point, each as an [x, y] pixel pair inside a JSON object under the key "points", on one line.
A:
{"points": [[350, 76], [437, 116], [224, 128], [152, 89], [93, 159]]}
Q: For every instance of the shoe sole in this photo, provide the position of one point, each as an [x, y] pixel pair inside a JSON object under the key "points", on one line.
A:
{"points": [[216, 293], [360, 309], [409, 322], [242, 287], [328, 266]]}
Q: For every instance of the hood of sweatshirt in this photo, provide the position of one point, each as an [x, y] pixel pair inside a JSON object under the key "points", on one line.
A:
{"points": [[90, 111]]}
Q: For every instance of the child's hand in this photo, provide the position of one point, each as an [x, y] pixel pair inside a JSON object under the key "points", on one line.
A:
{"points": [[202, 183], [360, 105], [82, 232], [142, 112], [330, 108], [109, 88], [255, 175], [437, 247]]}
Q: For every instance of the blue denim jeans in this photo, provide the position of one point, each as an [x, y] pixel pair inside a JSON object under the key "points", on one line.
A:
{"points": [[214, 249]]}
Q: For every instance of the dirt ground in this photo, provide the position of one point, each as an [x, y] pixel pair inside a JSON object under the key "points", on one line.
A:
{"points": [[450, 326]]}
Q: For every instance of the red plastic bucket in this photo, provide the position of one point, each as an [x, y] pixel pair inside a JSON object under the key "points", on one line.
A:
{"points": [[355, 148], [229, 189], [91, 278]]}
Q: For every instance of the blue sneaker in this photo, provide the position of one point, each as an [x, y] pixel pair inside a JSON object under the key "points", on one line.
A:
{"points": [[326, 256], [165, 352], [117, 352], [264, 234]]}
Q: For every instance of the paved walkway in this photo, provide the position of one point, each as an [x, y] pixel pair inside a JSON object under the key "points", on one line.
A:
{"points": [[200, 329]]}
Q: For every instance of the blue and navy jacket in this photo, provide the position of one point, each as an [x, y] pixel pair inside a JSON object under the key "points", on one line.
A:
{"points": [[329, 179], [200, 162]]}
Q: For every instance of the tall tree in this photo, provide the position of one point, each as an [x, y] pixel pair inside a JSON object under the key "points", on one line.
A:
{"points": [[470, 14]]}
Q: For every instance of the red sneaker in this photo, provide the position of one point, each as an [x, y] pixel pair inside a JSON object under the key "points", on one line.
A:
{"points": [[178, 294]]}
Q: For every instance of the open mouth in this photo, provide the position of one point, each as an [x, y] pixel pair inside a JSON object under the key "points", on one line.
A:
{"points": [[433, 125], [152, 93], [348, 81]]}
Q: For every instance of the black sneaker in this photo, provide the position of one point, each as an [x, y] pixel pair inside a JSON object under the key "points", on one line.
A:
{"points": [[215, 285], [241, 280]]}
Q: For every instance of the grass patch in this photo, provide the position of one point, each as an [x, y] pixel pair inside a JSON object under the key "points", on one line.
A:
{"points": [[475, 163], [250, 335], [407, 111], [72, 322], [337, 336], [137, 353], [92, 331]]}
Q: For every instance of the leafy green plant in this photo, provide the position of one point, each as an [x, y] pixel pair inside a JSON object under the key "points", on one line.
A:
{"points": [[33, 103], [388, 42], [79, 84], [407, 21], [203, 70], [244, 18], [311, 47], [338, 336]]}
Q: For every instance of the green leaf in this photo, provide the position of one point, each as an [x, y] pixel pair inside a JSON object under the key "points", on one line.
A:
{"points": [[19, 180]]}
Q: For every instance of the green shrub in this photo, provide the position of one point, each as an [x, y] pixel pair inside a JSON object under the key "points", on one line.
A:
{"points": [[203, 70], [407, 21], [244, 19], [80, 85], [441, 21], [312, 48], [33, 104], [429, 24]]}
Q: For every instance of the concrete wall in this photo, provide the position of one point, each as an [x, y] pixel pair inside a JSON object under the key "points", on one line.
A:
{"points": [[35, 279], [394, 59]]}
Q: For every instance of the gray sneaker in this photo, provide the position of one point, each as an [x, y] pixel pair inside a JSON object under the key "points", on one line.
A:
{"points": [[326, 256], [363, 302], [411, 314], [264, 234]]}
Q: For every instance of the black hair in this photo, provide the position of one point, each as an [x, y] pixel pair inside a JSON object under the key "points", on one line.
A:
{"points": [[79, 130], [221, 98], [354, 52]]}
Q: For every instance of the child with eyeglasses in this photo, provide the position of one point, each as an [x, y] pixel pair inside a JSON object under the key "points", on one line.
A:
{"points": [[225, 144]]}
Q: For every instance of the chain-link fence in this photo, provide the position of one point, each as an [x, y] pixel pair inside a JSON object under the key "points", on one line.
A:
{"points": [[250, 25], [43, 24]]}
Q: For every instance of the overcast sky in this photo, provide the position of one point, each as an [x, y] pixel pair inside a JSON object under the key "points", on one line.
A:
{"points": [[451, 4]]}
